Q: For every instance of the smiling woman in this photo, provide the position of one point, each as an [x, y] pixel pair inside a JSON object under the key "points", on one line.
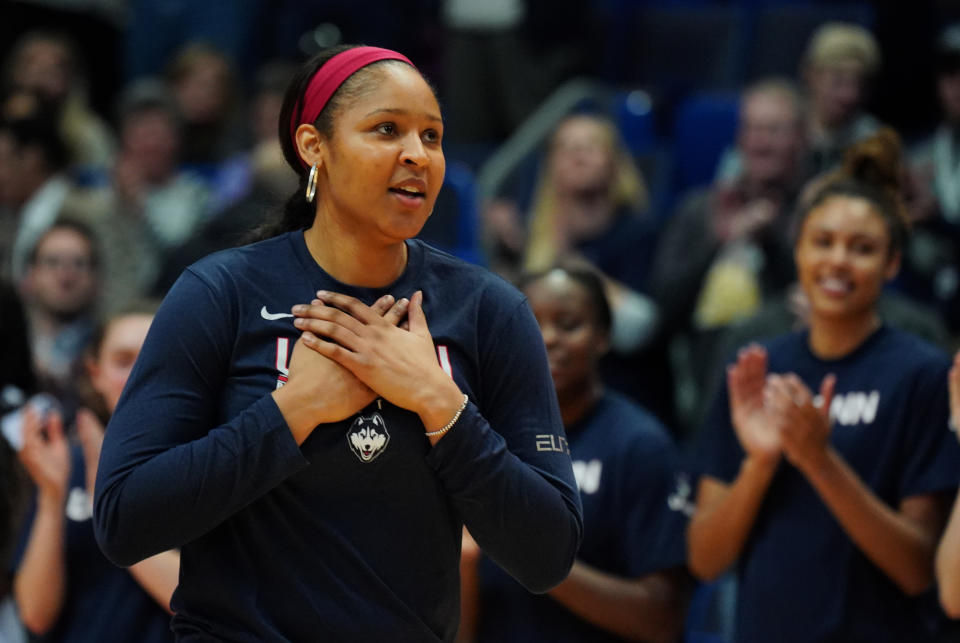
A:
{"points": [[317, 466], [831, 504]]}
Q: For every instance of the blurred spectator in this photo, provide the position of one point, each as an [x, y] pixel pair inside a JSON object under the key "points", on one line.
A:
{"points": [[728, 247], [837, 67], [60, 290], [503, 57], [264, 181], [204, 86], [48, 65], [629, 580], [66, 590], [150, 207], [33, 186], [587, 206], [930, 271]]}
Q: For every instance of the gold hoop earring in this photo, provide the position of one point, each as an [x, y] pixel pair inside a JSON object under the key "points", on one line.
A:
{"points": [[312, 183]]}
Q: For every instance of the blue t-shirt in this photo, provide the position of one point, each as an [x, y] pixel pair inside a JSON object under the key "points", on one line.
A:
{"points": [[355, 535], [627, 468], [102, 602], [801, 578]]}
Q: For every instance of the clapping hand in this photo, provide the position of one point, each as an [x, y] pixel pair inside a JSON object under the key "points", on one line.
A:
{"points": [[803, 426], [752, 423], [46, 453]]}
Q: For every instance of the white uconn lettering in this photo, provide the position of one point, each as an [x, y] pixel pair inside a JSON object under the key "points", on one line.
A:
{"points": [[587, 475], [855, 408]]}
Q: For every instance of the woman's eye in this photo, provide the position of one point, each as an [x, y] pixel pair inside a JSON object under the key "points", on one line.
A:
{"points": [[387, 128], [431, 136]]}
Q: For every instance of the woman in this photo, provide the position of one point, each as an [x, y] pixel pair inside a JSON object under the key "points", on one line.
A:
{"points": [[64, 588], [285, 453], [629, 580], [831, 506], [948, 552], [587, 207]]}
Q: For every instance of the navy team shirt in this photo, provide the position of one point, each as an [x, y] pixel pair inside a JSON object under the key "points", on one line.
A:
{"points": [[102, 602], [627, 471], [355, 535], [801, 578]]}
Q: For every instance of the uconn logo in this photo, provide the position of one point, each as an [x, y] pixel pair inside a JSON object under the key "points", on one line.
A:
{"points": [[849, 409]]}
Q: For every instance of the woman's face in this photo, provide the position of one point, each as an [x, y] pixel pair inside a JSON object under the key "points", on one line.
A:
{"points": [[843, 257], [383, 166], [836, 91], [582, 158], [121, 344], [569, 327]]}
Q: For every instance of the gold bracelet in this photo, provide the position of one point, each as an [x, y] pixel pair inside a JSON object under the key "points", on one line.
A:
{"points": [[456, 416]]}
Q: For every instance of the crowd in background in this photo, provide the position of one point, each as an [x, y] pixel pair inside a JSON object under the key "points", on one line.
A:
{"points": [[147, 139]]}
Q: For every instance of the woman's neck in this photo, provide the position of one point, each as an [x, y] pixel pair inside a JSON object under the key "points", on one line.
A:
{"points": [[575, 404], [836, 337], [355, 261]]}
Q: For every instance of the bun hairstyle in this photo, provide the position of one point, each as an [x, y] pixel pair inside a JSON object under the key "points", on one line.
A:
{"points": [[871, 170], [298, 213]]}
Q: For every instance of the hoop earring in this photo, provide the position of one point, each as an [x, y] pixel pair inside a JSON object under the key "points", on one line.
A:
{"points": [[312, 183]]}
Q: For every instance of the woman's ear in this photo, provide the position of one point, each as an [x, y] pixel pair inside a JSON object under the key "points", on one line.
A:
{"points": [[893, 265], [309, 144]]}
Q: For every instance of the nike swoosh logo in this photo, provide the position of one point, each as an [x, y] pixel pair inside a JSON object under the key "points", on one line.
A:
{"points": [[272, 316]]}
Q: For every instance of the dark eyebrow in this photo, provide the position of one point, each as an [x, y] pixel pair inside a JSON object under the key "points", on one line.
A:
{"points": [[401, 112]]}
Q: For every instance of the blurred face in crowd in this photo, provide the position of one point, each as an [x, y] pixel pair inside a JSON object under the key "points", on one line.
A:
{"points": [[582, 156], [62, 281], [151, 140], [844, 258], [44, 67], [110, 368], [836, 91], [202, 92], [771, 137], [573, 337], [948, 87]]}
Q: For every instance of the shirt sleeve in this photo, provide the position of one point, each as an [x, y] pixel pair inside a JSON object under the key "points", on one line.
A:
{"points": [[506, 465], [931, 452], [168, 473], [653, 535]]}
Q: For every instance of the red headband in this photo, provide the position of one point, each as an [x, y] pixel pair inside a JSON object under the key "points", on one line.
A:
{"points": [[331, 75]]}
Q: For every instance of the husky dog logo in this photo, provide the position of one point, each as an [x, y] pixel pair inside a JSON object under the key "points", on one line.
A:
{"points": [[368, 436]]}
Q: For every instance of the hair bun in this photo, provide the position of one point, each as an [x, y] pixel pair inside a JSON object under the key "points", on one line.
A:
{"points": [[875, 160]]}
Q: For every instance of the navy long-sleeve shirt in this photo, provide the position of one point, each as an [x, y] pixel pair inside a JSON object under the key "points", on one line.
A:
{"points": [[355, 534]]}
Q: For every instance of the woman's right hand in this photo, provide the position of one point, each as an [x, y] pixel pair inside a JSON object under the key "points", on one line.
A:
{"points": [[45, 453], [745, 381], [954, 386], [319, 390]]}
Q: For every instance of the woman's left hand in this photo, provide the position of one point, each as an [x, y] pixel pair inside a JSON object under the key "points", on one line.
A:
{"points": [[804, 427], [399, 364]]}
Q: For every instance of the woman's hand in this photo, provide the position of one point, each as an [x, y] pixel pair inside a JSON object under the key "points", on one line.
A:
{"points": [[751, 420], [398, 364], [804, 427], [319, 390], [954, 385], [46, 453]]}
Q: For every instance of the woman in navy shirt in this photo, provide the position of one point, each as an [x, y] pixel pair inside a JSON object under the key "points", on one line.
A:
{"points": [[298, 430], [629, 581], [827, 465]]}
